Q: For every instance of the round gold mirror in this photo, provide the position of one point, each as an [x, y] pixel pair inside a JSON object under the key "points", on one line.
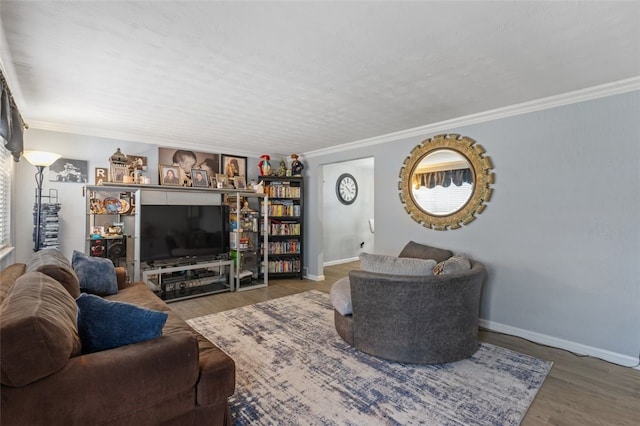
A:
{"points": [[445, 181]]}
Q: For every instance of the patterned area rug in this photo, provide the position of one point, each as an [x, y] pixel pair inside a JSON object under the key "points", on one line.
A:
{"points": [[292, 368]]}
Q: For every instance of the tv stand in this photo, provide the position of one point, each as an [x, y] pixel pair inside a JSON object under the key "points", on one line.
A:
{"points": [[189, 280]]}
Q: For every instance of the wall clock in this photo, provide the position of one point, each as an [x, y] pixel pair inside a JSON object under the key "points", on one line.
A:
{"points": [[346, 189]]}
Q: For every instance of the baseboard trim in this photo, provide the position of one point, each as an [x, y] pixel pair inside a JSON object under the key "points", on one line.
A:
{"points": [[314, 277], [544, 339], [340, 261]]}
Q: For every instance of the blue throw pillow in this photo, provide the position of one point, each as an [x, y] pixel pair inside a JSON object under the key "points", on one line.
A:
{"points": [[97, 275], [105, 324]]}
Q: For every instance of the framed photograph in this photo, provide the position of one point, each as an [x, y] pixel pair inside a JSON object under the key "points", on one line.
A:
{"points": [[239, 182], [118, 173], [199, 178], [187, 160], [222, 181], [169, 175], [214, 182], [233, 166], [68, 170], [101, 175], [136, 162]]}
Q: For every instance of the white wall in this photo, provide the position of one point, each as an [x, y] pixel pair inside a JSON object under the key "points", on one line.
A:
{"points": [[560, 237], [72, 214], [347, 226]]}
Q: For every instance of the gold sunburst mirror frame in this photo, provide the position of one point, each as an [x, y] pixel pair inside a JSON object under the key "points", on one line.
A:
{"points": [[478, 172]]}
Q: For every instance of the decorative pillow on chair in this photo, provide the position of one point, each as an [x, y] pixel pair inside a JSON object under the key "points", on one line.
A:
{"points": [[105, 324], [384, 264], [97, 274], [340, 296], [421, 251], [451, 265]]}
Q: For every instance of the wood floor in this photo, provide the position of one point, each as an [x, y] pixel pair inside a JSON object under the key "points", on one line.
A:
{"points": [[578, 391]]}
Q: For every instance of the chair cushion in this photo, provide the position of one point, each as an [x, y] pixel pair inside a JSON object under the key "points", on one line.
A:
{"points": [[53, 263], [97, 275], [38, 331], [340, 296], [421, 251], [451, 265], [105, 324], [384, 264]]}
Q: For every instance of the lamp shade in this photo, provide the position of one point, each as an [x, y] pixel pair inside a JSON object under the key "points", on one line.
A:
{"points": [[41, 158]]}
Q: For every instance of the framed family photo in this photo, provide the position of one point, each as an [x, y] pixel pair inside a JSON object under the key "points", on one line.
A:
{"points": [[187, 160], [233, 166], [239, 182], [199, 178], [169, 175]]}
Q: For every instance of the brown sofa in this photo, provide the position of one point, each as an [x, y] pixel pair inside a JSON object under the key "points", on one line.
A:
{"points": [[179, 378]]}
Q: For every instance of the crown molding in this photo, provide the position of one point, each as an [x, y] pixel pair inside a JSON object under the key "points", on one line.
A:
{"points": [[595, 92]]}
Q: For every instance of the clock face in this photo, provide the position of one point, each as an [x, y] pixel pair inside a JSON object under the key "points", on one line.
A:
{"points": [[346, 188]]}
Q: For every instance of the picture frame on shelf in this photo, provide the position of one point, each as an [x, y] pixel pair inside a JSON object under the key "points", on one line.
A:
{"points": [[137, 162], [169, 175], [199, 178], [222, 181], [186, 160], [213, 182], [233, 165], [119, 173], [239, 182]]}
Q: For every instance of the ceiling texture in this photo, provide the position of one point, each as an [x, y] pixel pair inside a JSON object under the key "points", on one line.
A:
{"points": [[281, 77]]}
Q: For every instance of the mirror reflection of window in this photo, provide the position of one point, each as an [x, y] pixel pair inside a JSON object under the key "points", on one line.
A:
{"points": [[442, 182]]}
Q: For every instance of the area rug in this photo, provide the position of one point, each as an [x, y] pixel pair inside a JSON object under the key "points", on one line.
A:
{"points": [[292, 368]]}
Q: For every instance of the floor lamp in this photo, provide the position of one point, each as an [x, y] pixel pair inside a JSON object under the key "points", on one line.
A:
{"points": [[40, 159]]}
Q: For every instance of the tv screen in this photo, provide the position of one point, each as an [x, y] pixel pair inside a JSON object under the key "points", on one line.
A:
{"points": [[174, 232]]}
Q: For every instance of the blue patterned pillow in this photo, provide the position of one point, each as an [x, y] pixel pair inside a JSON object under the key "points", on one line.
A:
{"points": [[105, 324], [97, 275]]}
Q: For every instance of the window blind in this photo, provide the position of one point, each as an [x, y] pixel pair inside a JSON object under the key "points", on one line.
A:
{"points": [[5, 197]]}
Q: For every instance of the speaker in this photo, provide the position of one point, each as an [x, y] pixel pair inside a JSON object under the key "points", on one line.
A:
{"points": [[116, 248], [98, 248]]}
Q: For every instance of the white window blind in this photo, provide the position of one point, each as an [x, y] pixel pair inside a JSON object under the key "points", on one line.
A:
{"points": [[5, 196]]}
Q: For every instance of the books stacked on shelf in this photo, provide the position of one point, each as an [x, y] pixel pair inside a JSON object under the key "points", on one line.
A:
{"points": [[282, 190], [284, 228], [49, 225], [284, 266], [284, 247], [284, 208]]}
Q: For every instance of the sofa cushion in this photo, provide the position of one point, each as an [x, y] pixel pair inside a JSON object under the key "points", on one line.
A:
{"points": [[97, 275], [451, 265], [422, 251], [105, 324], [9, 275], [53, 263], [38, 331], [384, 264], [340, 296]]}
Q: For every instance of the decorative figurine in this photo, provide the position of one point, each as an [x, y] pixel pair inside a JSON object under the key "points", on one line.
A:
{"points": [[282, 171], [264, 166], [296, 165]]}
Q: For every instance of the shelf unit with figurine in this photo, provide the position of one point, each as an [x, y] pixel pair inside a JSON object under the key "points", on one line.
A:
{"points": [[246, 241]]}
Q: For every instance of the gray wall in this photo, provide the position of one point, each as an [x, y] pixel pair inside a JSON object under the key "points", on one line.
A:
{"points": [[560, 237], [347, 226]]}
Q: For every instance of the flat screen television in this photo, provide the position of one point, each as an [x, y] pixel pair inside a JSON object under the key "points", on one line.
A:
{"points": [[183, 232]]}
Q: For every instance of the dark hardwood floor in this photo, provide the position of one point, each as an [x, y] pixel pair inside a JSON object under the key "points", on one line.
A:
{"points": [[578, 391]]}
